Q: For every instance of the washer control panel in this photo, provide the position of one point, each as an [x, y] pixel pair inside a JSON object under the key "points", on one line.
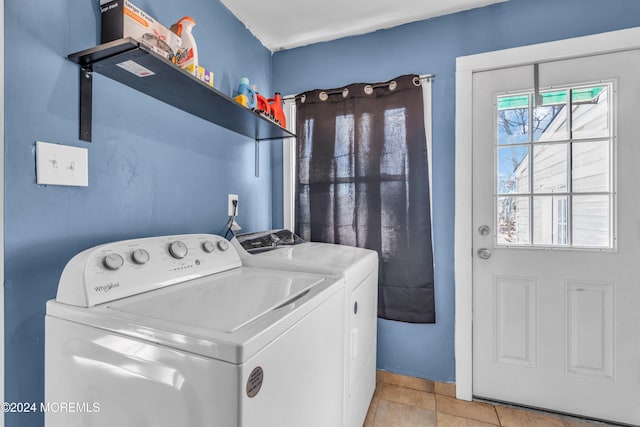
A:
{"points": [[121, 269]]}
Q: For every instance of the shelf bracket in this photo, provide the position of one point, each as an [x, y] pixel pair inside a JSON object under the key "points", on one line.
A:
{"points": [[86, 94], [257, 161], [257, 158]]}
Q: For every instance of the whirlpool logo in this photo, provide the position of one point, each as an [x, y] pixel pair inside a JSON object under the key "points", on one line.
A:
{"points": [[106, 288]]}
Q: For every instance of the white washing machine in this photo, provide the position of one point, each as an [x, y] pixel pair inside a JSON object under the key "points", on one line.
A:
{"points": [[358, 268], [174, 331]]}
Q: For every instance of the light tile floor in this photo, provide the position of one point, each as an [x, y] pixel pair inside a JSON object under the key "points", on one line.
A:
{"points": [[401, 401]]}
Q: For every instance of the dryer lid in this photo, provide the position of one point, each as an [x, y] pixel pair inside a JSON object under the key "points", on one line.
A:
{"points": [[325, 258]]}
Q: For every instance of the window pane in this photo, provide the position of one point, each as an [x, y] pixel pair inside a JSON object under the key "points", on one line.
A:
{"points": [[303, 216], [591, 221], [513, 169], [550, 220], [344, 218], [591, 166], [549, 168], [513, 119], [513, 220], [394, 164], [590, 112], [550, 119], [393, 218]]}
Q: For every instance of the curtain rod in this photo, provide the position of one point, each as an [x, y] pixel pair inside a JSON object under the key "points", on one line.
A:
{"points": [[423, 77]]}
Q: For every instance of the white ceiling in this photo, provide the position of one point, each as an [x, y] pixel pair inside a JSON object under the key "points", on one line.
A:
{"points": [[284, 24]]}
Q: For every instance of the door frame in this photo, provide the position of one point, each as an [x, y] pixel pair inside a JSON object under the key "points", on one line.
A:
{"points": [[466, 66]]}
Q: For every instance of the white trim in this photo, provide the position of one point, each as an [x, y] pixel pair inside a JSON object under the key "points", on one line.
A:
{"points": [[289, 165], [613, 41], [428, 126], [463, 248], [465, 67]]}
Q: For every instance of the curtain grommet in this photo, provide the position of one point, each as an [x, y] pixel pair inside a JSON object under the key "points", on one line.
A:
{"points": [[323, 96], [345, 92], [368, 89], [416, 81], [303, 98], [393, 85]]}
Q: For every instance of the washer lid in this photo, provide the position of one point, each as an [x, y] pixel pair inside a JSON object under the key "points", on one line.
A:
{"points": [[224, 302], [228, 316]]}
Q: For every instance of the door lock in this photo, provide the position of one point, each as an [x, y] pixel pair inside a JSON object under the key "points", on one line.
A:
{"points": [[484, 230]]}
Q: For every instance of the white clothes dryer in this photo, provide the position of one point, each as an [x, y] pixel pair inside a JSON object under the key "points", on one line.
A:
{"points": [[358, 268], [174, 331]]}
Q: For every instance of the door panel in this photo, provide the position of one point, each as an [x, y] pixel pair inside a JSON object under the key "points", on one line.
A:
{"points": [[555, 280], [515, 323], [590, 320]]}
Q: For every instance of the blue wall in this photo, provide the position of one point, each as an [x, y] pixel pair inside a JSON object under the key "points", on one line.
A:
{"points": [[153, 169], [431, 46]]}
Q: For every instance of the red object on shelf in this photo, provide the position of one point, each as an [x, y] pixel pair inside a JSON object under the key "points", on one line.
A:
{"points": [[262, 105], [276, 109]]}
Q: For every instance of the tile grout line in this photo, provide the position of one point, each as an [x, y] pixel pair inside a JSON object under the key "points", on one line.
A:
{"points": [[435, 402], [375, 413], [497, 415]]}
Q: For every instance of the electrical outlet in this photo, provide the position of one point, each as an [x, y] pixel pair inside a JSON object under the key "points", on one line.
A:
{"points": [[61, 165], [231, 209]]}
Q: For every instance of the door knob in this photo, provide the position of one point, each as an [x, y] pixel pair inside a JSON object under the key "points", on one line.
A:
{"points": [[484, 253]]}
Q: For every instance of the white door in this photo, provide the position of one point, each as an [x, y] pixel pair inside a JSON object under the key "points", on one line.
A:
{"points": [[556, 246]]}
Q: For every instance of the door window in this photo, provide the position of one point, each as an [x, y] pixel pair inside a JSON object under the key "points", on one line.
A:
{"points": [[554, 173]]}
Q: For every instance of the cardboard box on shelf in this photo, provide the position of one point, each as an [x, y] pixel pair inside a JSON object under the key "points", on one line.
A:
{"points": [[121, 18]]}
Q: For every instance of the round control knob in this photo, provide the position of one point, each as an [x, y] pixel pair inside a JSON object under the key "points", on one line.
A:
{"points": [[223, 245], [140, 256], [113, 261], [178, 249], [208, 246]]}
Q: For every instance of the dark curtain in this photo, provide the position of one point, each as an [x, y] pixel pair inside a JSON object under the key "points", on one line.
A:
{"points": [[362, 180]]}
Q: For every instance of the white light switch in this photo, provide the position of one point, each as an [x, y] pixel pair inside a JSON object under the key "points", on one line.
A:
{"points": [[61, 165]]}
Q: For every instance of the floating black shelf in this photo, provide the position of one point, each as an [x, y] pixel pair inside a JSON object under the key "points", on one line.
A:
{"points": [[169, 84]]}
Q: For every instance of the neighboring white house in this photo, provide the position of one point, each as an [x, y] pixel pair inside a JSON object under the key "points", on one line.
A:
{"points": [[570, 201]]}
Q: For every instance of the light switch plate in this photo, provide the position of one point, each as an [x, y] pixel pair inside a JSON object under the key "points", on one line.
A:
{"points": [[61, 165]]}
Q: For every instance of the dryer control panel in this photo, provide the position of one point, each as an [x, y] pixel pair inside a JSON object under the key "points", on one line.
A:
{"points": [[121, 269]]}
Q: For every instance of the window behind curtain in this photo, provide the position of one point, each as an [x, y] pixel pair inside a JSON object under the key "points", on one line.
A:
{"points": [[362, 180]]}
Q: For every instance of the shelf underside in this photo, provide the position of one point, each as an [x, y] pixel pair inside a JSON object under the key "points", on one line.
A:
{"points": [[176, 87]]}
